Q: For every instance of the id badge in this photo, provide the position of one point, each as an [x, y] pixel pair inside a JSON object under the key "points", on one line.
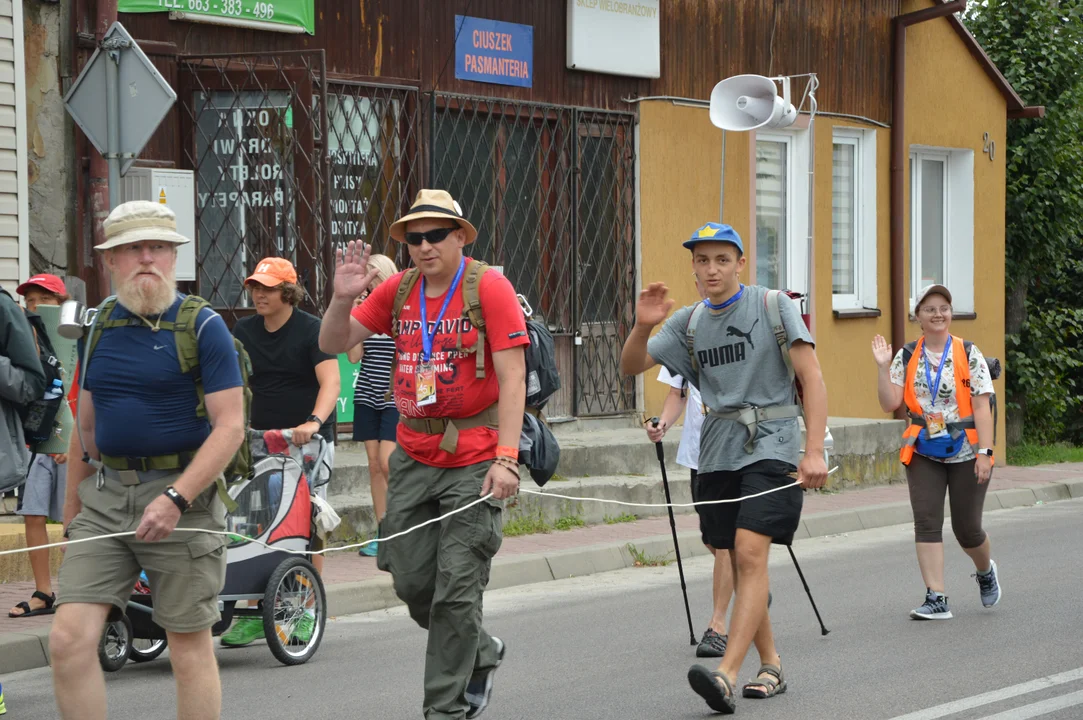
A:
{"points": [[425, 382], [935, 425]]}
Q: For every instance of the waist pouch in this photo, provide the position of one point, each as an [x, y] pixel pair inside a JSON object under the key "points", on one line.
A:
{"points": [[945, 446]]}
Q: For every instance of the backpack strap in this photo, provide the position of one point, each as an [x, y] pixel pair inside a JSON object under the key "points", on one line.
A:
{"points": [[406, 285], [774, 317], [186, 337], [690, 337], [475, 269], [102, 319]]}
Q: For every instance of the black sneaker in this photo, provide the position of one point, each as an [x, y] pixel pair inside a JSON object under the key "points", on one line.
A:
{"points": [[935, 607], [712, 645], [480, 688]]}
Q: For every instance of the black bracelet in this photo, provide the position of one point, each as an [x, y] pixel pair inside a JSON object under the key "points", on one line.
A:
{"points": [[177, 498]]}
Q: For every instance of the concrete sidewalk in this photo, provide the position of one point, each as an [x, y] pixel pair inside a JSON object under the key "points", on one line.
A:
{"points": [[354, 584]]}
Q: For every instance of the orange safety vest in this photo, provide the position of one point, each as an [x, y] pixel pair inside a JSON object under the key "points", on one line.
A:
{"points": [[961, 364]]}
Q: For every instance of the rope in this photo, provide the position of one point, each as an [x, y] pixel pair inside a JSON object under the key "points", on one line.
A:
{"points": [[234, 535]]}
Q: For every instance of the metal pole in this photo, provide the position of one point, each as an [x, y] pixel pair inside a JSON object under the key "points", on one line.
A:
{"points": [[722, 181], [112, 47]]}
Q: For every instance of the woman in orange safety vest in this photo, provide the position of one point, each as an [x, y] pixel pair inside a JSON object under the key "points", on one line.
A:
{"points": [[947, 445]]}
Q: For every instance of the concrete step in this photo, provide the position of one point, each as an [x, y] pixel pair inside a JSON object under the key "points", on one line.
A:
{"points": [[16, 568]]}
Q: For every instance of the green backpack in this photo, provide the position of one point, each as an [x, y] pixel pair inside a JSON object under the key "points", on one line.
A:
{"points": [[185, 334]]}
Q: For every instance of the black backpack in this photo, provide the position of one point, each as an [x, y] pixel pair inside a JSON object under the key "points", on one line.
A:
{"points": [[39, 416], [542, 378]]}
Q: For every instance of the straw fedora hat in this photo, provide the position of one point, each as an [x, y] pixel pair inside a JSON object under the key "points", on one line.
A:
{"points": [[140, 221], [434, 204]]}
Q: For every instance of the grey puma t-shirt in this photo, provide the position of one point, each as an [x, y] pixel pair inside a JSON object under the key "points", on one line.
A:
{"points": [[741, 365]]}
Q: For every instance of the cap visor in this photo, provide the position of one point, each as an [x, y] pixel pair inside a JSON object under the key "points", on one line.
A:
{"points": [[264, 280]]}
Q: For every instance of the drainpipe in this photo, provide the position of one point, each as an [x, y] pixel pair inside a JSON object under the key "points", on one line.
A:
{"points": [[900, 309], [105, 16]]}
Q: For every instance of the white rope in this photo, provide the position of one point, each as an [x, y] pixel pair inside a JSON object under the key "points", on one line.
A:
{"points": [[541, 493]]}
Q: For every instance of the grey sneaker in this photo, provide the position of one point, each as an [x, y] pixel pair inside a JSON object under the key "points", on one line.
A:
{"points": [[989, 586], [934, 608], [480, 688], [712, 645]]}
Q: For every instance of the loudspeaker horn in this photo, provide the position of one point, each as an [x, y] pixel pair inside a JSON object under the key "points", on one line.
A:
{"points": [[749, 102]]}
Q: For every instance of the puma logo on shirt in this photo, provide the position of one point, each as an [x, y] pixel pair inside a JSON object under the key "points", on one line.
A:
{"points": [[722, 355], [731, 331]]}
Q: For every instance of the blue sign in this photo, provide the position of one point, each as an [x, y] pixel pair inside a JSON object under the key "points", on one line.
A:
{"points": [[496, 52]]}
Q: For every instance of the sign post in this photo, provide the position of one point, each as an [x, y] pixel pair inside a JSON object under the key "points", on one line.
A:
{"points": [[137, 99]]}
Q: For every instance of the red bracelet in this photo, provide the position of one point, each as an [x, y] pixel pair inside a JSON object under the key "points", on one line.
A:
{"points": [[508, 452]]}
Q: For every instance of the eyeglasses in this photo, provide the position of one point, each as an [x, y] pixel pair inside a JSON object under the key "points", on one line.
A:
{"points": [[943, 310], [433, 236]]}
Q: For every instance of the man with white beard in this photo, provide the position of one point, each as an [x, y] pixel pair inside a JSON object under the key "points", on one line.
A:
{"points": [[162, 452]]}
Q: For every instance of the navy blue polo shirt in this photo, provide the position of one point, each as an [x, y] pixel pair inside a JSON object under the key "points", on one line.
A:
{"points": [[143, 404]]}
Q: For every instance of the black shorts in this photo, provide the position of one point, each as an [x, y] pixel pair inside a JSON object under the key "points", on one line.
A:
{"points": [[776, 515], [372, 424]]}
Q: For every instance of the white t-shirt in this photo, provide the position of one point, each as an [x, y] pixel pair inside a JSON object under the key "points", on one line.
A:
{"points": [[688, 450], [981, 383]]}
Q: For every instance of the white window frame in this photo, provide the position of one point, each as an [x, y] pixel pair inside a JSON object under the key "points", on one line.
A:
{"points": [[865, 235], [797, 191], [958, 223]]}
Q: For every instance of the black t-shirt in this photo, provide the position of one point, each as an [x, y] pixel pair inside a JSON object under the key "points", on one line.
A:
{"points": [[283, 381]]}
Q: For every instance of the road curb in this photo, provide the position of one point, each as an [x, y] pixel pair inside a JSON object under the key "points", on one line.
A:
{"points": [[29, 650]]}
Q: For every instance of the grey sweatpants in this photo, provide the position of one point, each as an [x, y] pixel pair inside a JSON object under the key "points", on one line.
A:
{"points": [[928, 481]]}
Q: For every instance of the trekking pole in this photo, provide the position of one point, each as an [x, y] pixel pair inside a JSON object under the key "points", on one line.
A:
{"points": [[673, 528], [823, 630]]}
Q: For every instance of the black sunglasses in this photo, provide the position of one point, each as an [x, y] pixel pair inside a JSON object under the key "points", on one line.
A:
{"points": [[433, 236]]}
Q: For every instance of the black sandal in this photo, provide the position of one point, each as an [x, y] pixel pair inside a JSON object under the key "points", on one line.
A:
{"points": [[773, 681], [714, 687], [49, 601]]}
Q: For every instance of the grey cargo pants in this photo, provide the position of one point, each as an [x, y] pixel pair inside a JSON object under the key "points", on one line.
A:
{"points": [[440, 571]]}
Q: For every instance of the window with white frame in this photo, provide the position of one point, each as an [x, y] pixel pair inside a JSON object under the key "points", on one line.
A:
{"points": [[853, 219], [942, 222], [782, 210]]}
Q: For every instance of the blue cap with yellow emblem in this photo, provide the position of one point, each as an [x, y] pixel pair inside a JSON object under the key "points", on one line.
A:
{"points": [[715, 232]]}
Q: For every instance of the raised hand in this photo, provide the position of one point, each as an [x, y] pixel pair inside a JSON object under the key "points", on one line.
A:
{"points": [[881, 351], [653, 306], [352, 273]]}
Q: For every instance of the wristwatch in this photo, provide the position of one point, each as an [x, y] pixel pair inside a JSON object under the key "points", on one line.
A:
{"points": [[313, 418], [177, 498], [986, 451]]}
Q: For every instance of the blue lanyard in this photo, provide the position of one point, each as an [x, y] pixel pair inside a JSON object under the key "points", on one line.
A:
{"points": [[934, 389], [426, 336], [726, 304]]}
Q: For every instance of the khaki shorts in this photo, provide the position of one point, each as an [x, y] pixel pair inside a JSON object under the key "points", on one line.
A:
{"points": [[186, 570]]}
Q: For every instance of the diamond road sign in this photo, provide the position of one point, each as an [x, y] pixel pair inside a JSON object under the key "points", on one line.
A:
{"points": [[144, 97]]}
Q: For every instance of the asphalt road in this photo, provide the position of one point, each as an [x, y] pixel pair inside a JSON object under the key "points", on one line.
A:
{"points": [[616, 645]]}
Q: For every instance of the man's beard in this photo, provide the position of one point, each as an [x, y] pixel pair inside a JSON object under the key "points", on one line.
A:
{"points": [[147, 296]]}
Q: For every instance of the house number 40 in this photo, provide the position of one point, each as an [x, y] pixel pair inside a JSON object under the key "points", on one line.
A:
{"points": [[990, 147]]}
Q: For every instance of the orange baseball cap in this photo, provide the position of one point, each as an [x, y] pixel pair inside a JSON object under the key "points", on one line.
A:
{"points": [[272, 272]]}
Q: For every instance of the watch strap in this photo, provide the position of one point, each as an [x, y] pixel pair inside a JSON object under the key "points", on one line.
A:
{"points": [[315, 419], [178, 499]]}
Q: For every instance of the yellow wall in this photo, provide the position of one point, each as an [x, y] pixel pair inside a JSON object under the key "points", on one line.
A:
{"points": [[950, 102]]}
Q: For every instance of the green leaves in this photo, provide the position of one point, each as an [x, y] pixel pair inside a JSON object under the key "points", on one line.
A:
{"points": [[1038, 45]]}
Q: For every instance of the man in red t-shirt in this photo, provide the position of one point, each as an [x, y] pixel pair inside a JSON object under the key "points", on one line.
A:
{"points": [[458, 436]]}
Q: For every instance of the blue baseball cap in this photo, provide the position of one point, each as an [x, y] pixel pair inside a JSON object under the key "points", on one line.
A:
{"points": [[715, 232]]}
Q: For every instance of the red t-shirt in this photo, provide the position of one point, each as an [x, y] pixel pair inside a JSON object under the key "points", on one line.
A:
{"points": [[458, 392]]}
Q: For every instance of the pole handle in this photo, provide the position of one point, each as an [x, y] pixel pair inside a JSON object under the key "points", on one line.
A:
{"points": [[658, 445]]}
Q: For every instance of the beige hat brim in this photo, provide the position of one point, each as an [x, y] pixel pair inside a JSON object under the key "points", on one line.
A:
{"points": [[143, 234], [398, 228]]}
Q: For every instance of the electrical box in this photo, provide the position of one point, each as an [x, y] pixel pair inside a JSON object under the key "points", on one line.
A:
{"points": [[176, 189]]}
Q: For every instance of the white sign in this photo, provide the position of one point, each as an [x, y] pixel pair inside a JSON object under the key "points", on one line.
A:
{"points": [[619, 37]]}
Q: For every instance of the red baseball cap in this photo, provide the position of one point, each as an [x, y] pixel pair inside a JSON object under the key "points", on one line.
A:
{"points": [[48, 283]]}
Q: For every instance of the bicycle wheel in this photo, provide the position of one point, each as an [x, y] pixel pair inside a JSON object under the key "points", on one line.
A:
{"points": [[294, 611]]}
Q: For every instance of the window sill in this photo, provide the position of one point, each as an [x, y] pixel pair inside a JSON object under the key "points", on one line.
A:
{"points": [[854, 313]]}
